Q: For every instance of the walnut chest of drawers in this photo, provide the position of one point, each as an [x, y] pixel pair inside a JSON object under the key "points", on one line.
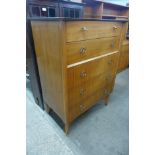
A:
{"points": [[77, 61]]}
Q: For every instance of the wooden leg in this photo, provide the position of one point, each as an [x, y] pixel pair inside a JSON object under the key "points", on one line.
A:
{"points": [[66, 128], [106, 99], [47, 108]]}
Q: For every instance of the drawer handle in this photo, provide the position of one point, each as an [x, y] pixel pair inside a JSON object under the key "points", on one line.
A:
{"points": [[110, 62], [82, 92], [83, 50], [115, 27], [84, 28], [83, 74]]}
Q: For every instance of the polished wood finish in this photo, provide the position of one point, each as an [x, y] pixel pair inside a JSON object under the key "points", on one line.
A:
{"points": [[82, 50], [80, 88], [72, 83], [84, 105], [86, 71], [77, 31], [47, 38]]}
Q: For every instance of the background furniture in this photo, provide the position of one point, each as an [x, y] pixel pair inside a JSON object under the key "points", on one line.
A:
{"points": [[77, 61], [102, 9], [55, 8], [115, 11], [124, 56], [93, 9], [31, 64], [32, 67]]}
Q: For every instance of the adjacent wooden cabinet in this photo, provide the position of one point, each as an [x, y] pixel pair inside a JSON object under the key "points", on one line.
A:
{"points": [[124, 56], [106, 10], [115, 10], [77, 62]]}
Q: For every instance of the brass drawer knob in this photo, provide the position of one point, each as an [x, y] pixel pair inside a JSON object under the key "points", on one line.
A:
{"points": [[82, 91], [83, 50], [84, 28], [83, 74], [115, 28]]}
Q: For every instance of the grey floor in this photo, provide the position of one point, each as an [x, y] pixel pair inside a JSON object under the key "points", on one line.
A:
{"points": [[103, 130]]}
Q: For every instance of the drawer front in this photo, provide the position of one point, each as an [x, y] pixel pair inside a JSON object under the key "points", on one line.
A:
{"points": [[87, 71], [88, 88], [93, 99], [77, 108], [83, 30], [81, 50]]}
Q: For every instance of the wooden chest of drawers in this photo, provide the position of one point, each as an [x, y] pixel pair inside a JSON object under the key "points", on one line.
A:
{"points": [[77, 62]]}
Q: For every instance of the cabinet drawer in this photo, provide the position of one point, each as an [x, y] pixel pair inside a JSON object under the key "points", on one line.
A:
{"points": [[94, 98], [77, 108], [87, 71], [87, 89], [81, 50], [83, 30]]}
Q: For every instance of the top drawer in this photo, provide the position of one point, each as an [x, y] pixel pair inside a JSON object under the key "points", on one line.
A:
{"points": [[83, 30]]}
